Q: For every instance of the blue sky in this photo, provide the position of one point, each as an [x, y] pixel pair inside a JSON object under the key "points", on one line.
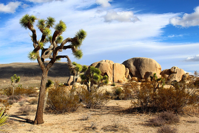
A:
{"points": [[164, 30]]}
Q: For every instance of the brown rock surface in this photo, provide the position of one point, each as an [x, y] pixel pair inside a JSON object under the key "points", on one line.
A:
{"points": [[142, 67], [174, 73], [115, 71]]}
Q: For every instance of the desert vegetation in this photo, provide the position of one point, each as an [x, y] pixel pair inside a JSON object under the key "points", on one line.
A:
{"points": [[166, 105], [150, 96]]}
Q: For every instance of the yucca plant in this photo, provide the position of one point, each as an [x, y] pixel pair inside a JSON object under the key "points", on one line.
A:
{"points": [[57, 44], [14, 79], [3, 117]]}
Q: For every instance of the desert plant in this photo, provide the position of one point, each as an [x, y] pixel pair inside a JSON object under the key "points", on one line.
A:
{"points": [[76, 70], [117, 93], [152, 95], [92, 77], [51, 52], [113, 84], [48, 84], [164, 118], [33, 101], [25, 110], [166, 129], [61, 100], [3, 117], [93, 98], [14, 79]]}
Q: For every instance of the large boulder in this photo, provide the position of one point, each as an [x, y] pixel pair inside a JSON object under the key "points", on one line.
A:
{"points": [[115, 71], [142, 68], [174, 74]]}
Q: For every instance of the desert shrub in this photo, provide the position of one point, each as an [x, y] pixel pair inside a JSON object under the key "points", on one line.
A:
{"points": [[117, 93], [60, 100], [26, 110], [19, 91], [169, 117], [93, 98], [164, 118], [154, 95], [16, 98], [167, 129], [113, 84], [157, 121], [33, 101]]}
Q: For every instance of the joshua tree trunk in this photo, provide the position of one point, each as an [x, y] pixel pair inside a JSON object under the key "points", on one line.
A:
{"points": [[40, 105]]}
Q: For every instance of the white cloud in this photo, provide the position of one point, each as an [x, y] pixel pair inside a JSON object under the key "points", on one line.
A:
{"points": [[104, 3], [39, 1], [172, 36], [10, 7], [187, 20], [120, 16], [25, 6], [193, 58]]}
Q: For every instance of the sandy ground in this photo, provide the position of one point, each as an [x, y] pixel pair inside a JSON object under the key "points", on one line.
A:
{"points": [[109, 118]]}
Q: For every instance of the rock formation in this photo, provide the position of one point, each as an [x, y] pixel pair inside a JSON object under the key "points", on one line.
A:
{"points": [[142, 68], [173, 74], [115, 71]]}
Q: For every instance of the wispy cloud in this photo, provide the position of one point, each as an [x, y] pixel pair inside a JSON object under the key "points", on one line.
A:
{"points": [[172, 36], [10, 7], [187, 20], [193, 58], [104, 3], [39, 1]]}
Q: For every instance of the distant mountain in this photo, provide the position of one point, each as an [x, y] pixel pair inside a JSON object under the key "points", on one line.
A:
{"points": [[59, 69]]}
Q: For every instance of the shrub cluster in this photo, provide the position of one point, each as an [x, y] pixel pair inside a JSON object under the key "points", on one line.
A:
{"points": [[153, 95], [19, 91], [60, 100]]}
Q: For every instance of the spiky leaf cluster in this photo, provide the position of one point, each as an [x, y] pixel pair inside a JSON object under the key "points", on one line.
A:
{"points": [[41, 24], [61, 27], [50, 21], [59, 39], [26, 20], [49, 83], [78, 67], [46, 31], [3, 117], [94, 70], [81, 34], [78, 54], [84, 68], [15, 79], [94, 75], [41, 45], [32, 55]]}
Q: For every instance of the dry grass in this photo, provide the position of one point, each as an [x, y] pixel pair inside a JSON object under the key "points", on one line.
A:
{"points": [[167, 129]]}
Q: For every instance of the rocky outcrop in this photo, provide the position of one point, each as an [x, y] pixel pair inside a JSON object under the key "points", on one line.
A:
{"points": [[142, 68], [174, 74], [115, 71]]}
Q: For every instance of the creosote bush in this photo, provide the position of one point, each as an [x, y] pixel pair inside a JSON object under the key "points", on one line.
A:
{"points": [[93, 98], [152, 95], [61, 99], [164, 118], [166, 129], [19, 91]]}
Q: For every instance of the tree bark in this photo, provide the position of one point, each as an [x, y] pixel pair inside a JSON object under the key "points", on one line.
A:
{"points": [[40, 105]]}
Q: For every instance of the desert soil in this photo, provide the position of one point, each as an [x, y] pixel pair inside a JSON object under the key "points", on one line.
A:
{"points": [[111, 118]]}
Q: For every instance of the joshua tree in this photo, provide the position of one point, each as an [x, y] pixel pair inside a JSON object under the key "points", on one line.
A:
{"points": [[93, 76], [51, 52], [14, 79]]}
